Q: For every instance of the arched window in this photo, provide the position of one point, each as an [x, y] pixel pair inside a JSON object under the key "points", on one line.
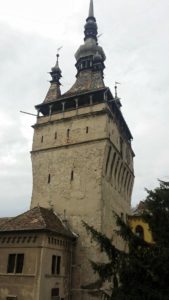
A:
{"points": [[139, 231]]}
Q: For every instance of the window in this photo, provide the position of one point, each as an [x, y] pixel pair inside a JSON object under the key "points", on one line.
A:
{"points": [[87, 129], [139, 231], [56, 264], [72, 175], [55, 294], [42, 139], [122, 216], [11, 298], [68, 133], [55, 135], [49, 178], [15, 263]]}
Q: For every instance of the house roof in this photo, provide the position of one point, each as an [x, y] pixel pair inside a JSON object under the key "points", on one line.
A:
{"points": [[139, 209], [3, 220], [37, 219]]}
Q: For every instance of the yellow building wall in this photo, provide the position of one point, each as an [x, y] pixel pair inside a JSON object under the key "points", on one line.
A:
{"points": [[135, 221]]}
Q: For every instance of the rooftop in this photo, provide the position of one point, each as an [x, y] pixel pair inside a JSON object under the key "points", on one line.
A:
{"points": [[36, 219]]}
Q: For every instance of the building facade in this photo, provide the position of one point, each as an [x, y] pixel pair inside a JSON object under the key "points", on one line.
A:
{"points": [[36, 254], [82, 165], [138, 225]]}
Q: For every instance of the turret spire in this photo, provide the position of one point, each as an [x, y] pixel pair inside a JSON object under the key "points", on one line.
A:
{"points": [[54, 91], [91, 9], [56, 72]]}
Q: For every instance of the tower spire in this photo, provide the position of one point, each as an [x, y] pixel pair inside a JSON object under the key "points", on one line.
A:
{"points": [[91, 9], [91, 25], [90, 58]]}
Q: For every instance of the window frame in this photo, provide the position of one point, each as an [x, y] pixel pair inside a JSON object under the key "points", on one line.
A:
{"points": [[15, 263], [56, 265]]}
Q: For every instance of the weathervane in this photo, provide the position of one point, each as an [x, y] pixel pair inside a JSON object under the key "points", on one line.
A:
{"points": [[58, 50]]}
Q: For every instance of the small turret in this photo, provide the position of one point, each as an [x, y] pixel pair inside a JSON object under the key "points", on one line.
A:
{"points": [[56, 72], [54, 91]]}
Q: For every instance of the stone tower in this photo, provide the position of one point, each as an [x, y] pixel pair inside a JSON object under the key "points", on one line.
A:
{"points": [[82, 159]]}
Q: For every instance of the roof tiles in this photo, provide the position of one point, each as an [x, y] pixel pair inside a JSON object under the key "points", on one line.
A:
{"points": [[38, 218]]}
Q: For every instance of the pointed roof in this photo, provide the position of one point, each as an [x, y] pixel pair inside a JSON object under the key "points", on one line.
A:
{"points": [[91, 9], [91, 25], [54, 91], [56, 68], [37, 219], [3, 220]]}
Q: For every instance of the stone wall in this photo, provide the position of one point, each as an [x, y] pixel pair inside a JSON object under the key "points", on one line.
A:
{"points": [[83, 167]]}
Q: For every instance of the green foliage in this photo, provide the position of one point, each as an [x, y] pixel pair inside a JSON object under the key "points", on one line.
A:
{"points": [[141, 273]]}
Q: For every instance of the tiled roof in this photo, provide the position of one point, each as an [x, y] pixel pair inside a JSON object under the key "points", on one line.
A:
{"points": [[3, 220], [139, 209], [38, 218]]}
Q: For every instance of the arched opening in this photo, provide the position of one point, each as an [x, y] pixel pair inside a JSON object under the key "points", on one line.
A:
{"points": [[139, 231]]}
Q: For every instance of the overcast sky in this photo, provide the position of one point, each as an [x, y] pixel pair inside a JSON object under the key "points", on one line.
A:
{"points": [[136, 42]]}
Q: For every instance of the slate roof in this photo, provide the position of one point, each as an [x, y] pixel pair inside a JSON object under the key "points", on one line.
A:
{"points": [[36, 219]]}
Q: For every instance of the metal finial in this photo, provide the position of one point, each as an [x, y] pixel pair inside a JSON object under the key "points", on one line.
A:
{"points": [[57, 55], [57, 62]]}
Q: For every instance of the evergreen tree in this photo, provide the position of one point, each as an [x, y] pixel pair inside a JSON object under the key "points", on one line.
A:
{"points": [[141, 273]]}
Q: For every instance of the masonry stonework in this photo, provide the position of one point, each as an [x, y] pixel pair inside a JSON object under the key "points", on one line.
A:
{"points": [[85, 183]]}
